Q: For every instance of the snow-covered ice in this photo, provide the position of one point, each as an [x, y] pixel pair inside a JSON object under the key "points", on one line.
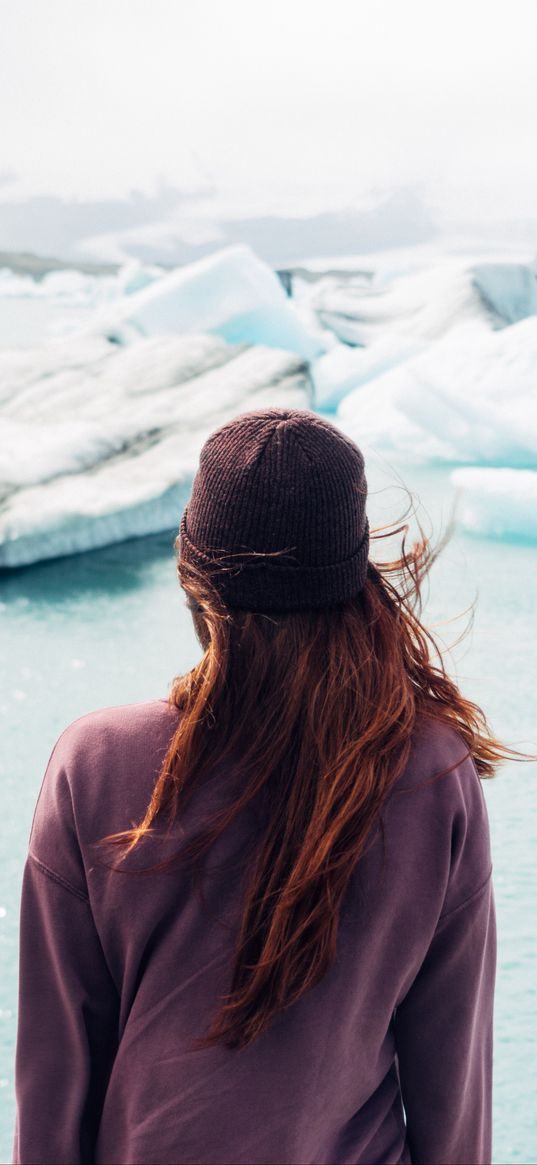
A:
{"points": [[101, 443]]}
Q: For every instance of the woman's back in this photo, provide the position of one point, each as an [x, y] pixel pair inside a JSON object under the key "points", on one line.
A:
{"points": [[119, 972]]}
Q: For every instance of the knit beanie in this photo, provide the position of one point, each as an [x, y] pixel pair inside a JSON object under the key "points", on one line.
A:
{"points": [[271, 481]]}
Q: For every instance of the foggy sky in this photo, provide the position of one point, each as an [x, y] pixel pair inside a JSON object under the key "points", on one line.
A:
{"points": [[295, 102]]}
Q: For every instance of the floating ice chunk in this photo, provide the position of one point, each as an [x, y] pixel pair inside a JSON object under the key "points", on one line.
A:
{"points": [[424, 304], [103, 449], [86, 376], [508, 291], [76, 286], [375, 418], [230, 293], [13, 285], [342, 369], [26, 370], [134, 276], [72, 286], [32, 452], [137, 495], [468, 398], [498, 503]]}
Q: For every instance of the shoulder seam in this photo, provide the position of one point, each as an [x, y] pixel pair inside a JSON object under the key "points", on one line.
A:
{"points": [[467, 901], [55, 877]]}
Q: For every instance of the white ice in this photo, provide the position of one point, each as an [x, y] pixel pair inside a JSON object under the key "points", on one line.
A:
{"points": [[508, 290], [469, 398], [79, 287], [342, 368], [100, 443], [230, 293], [33, 310], [423, 304], [100, 431], [498, 503]]}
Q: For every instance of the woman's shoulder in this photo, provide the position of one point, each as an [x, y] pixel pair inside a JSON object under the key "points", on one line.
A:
{"points": [[110, 725], [435, 746], [440, 804], [101, 768], [442, 769]]}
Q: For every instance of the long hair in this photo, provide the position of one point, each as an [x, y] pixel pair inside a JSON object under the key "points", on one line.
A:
{"points": [[318, 709]]}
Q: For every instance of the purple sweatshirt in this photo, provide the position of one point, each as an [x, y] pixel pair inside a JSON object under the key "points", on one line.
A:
{"points": [[118, 973]]}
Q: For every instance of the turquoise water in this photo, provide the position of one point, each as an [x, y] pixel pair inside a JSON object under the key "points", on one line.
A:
{"points": [[111, 626]]}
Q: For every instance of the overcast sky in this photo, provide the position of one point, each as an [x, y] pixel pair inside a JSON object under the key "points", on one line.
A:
{"points": [[271, 100]]}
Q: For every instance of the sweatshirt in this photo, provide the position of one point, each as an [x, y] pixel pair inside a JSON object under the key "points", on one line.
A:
{"points": [[386, 1061]]}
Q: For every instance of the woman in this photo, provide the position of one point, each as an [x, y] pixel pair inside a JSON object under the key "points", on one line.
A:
{"points": [[257, 918]]}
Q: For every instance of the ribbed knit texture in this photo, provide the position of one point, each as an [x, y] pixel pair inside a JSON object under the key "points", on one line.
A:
{"points": [[272, 481]]}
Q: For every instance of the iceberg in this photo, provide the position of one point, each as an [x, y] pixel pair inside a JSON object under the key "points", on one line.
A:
{"points": [[100, 430], [61, 302], [498, 503], [99, 443], [468, 398], [340, 370], [86, 375], [507, 290], [72, 284], [422, 304], [230, 293]]}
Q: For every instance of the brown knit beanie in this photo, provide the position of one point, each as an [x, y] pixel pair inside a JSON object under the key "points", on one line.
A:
{"points": [[278, 480]]}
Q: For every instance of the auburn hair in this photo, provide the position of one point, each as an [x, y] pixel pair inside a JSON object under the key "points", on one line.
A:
{"points": [[317, 709]]}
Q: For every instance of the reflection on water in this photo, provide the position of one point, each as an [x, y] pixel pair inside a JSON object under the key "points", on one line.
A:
{"points": [[112, 570]]}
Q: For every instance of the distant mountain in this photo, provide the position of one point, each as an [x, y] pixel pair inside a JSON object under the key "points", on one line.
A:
{"points": [[48, 225], [37, 266], [173, 227]]}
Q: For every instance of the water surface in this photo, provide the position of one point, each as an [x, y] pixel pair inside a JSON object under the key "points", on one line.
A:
{"points": [[111, 626]]}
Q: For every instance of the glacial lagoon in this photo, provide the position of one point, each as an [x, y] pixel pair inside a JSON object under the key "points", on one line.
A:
{"points": [[109, 626]]}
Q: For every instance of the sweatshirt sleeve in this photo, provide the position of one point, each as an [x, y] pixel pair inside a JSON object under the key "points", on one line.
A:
{"points": [[444, 1025], [67, 1020]]}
